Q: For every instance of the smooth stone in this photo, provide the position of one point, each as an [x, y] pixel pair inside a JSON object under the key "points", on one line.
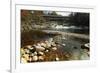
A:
{"points": [[67, 55], [48, 45], [32, 50], [41, 53], [39, 48], [43, 44], [57, 59], [50, 39], [35, 58], [23, 60], [22, 51], [53, 44], [26, 56], [35, 53], [41, 58], [27, 51], [87, 45], [29, 46], [64, 44], [30, 59], [54, 48], [47, 51]]}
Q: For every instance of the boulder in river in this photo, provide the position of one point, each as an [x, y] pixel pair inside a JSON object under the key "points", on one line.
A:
{"points": [[85, 46]]}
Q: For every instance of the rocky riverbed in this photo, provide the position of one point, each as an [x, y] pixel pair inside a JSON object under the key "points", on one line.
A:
{"points": [[42, 46], [43, 51]]}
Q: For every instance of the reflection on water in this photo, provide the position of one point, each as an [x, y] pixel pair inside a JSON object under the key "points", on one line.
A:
{"points": [[72, 30]]}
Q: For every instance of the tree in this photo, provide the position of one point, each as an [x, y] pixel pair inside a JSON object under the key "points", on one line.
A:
{"points": [[79, 19], [29, 16], [38, 18], [52, 13], [25, 15]]}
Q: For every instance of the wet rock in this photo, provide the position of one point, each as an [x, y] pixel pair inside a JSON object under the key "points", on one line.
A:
{"points": [[53, 44], [41, 58], [39, 48], [85, 46], [57, 59], [26, 56], [26, 51], [63, 44], [43, 44], [50, 40], [67, 55], [40, 53], [35, 53], [54, 48], [48, 45], [22, 51], [28, 46], [30, 59], [23, 60], [47, 50], [35, 58]]}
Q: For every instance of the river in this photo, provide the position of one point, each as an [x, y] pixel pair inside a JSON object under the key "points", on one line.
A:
{"points": [[70, 39]]}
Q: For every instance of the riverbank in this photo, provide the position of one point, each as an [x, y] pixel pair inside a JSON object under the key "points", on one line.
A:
{"points": [[81, 36]]}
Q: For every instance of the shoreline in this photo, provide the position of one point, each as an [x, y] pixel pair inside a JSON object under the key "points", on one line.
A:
{"points": [[81, 36]]}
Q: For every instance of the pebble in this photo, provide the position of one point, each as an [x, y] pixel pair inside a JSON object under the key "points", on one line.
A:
{"points": [[39, 48], [67, 55], [86, 46], [47, 50], [41, 53], [63, 44], [53, 44], [26, 56], [35, 53], [29, 46], [54, 48], [48, 45], [41, 58], [50, 39], [30, 59], [57, 59], [22, 51], [32, 50], [27, 51], [43, 44], [35, 58], [23, 60]]}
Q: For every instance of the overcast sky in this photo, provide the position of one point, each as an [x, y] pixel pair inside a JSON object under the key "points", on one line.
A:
{"points": [[63, 13], [58, 12]]}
